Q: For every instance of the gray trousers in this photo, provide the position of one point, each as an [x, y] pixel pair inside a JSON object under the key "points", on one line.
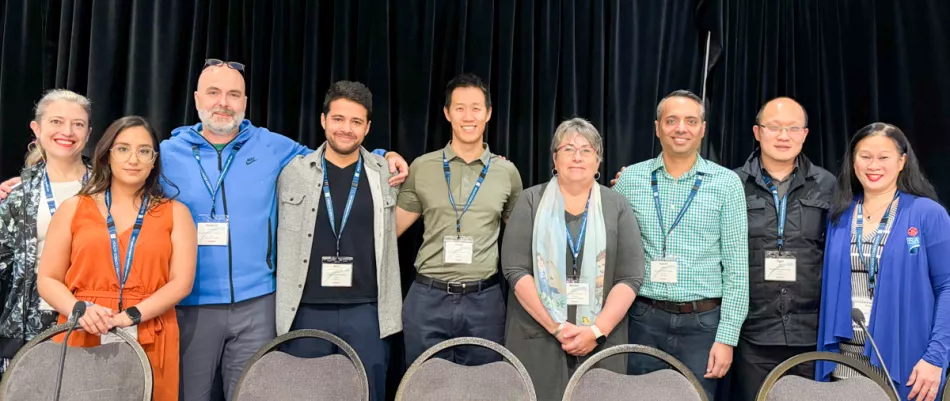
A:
{"points": [[221, 337]]}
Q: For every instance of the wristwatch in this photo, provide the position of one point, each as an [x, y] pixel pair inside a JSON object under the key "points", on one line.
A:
{"points": [[599, 336], [134, 315]]}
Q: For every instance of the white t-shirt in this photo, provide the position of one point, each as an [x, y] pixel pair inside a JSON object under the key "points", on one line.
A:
{"points": [[61, 192]]}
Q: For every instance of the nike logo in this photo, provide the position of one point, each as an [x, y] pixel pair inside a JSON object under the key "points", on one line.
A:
{"points": [[250, 160]]}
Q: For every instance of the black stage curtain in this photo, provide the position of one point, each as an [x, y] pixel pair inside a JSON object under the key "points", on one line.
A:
{"points": [[849, 62]]}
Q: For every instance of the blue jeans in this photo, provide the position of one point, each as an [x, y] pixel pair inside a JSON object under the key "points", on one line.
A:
{"points": [[358, 325], [688, 337], [431, 316]]}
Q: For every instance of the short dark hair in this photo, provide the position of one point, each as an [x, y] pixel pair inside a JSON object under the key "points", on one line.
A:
{"points": [[466, 80], [682, 93], [758, 116], [352, 91]]}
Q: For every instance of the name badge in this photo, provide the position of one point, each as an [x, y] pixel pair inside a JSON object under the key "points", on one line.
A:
{"points": [[664, 270], [45, 306], [212, 231], [864, 305], [780, 266], [337, 272], [114, 338], [458, 250], [578, 293]]}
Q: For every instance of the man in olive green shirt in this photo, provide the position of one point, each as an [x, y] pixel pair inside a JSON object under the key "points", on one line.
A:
{"points": [[462, 192]]}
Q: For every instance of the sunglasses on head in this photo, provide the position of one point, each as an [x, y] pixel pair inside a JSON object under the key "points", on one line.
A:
{"points": [[212, 62]]}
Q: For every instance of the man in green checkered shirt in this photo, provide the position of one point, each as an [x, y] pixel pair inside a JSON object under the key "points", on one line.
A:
{"points": [[695, 295]]}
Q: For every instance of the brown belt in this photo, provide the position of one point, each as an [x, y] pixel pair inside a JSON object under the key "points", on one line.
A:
{"points": [[702, 305]]}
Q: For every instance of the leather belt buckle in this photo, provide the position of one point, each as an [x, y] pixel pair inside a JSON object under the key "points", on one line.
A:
{"points": [[461, 286]]}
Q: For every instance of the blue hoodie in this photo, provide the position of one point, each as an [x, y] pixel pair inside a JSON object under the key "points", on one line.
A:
{"points": [[245, 268]]}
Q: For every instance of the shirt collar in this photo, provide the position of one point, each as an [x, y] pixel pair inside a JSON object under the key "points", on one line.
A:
{"points": [[700, 166], [451, 155]]}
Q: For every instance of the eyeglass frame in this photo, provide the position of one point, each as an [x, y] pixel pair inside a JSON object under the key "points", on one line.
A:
{"points": [[112, 152], [577, 150], [787, 128], [214, 62]]}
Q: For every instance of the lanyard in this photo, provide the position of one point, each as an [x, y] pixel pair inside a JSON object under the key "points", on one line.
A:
{"points": [[349, 200], [780, 209], [471, 197], [50, 200], [679, 217], [577, 246], [873, 260], [123, 276], [227, 167]]}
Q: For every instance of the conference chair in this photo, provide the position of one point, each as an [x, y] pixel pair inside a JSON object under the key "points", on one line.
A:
{"points": [[117, 371], [433, 379], [604, 385], [870, 387], [281, 376]]}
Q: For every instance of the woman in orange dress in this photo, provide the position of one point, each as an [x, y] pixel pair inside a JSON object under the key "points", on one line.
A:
{"points": [[126, 250]]}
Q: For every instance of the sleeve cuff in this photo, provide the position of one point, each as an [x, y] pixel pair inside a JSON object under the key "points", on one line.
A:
{"points": [[726, 335], [935, 360]]}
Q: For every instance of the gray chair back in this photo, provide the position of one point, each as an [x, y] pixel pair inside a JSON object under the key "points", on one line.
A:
{"points": [[281, 376], [778, 387], [678, 383], [116, 371], [431, 378]]}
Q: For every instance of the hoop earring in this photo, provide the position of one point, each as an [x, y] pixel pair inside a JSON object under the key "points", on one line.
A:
{"points": [[554, 172], [597, 176]]}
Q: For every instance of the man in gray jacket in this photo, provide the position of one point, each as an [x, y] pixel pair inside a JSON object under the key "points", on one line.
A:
{"points": [[338, 265]]}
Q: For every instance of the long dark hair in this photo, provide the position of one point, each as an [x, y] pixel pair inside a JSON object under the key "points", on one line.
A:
{"points": [[910, 181], [101, 178]]}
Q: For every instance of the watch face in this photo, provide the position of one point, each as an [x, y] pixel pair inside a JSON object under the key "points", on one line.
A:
{"points": [[601, 340]]}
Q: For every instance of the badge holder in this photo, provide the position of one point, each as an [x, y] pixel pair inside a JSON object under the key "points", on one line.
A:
{"points": [[213, 231], [664, 270], [337, 271], [109, 338], [578, 293], [864, 305], [780, 266], [458, 250]]}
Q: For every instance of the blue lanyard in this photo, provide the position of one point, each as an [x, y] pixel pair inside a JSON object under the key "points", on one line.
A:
{"points": [[50, 200], [577, 246], [872, 262], [471, 197], [227, 167], [349, 200], [123, 276], [659, 208], [780, 209]]}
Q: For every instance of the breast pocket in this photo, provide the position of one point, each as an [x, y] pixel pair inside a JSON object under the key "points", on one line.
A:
{"points": [[758, 212], [291, 211], [814, 213]]}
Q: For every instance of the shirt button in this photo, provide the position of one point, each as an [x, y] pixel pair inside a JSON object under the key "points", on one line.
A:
{"points": [[293, 308], [785, 318], [784, 290], [299, 285], [305, 260], [313, 209], [310, 235]]}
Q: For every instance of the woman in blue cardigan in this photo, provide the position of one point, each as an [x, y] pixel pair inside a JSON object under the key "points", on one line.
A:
{"points": [[897, 272]]}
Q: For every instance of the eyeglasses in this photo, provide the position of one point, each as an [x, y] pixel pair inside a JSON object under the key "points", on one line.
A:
{"points": [[124, 153], [585, 151], [212, 62], [775, 129]]}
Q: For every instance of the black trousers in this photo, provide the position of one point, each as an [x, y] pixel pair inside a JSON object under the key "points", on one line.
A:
{"points": [[751, 363]]}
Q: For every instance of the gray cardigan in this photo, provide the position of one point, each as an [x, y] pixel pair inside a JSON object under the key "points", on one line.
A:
{"points": [[299, 191], [540, 352]]}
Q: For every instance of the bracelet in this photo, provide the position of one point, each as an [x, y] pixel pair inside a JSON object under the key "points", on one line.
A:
{"points": [[557, 332]]}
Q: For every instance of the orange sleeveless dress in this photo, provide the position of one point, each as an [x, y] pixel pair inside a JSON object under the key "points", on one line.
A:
{"points": [[91, 277]]}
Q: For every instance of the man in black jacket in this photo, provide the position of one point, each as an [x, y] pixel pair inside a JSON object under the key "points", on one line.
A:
{"points": [[787, 199]]}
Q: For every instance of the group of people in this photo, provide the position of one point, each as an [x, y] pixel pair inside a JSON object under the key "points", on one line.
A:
{"points": [[728, 271]]}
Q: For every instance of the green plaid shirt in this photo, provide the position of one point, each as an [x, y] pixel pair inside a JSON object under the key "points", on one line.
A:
{"points": [[710, 243]]}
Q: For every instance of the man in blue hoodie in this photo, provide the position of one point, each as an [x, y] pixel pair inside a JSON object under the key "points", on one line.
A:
{"points": [[226, 170]]}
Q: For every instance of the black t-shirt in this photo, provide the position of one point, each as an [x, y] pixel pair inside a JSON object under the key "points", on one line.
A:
{"points": [[358, 241]]}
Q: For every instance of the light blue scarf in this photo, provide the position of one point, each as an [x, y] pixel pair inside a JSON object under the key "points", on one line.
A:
{"points": [[550, 259]]}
